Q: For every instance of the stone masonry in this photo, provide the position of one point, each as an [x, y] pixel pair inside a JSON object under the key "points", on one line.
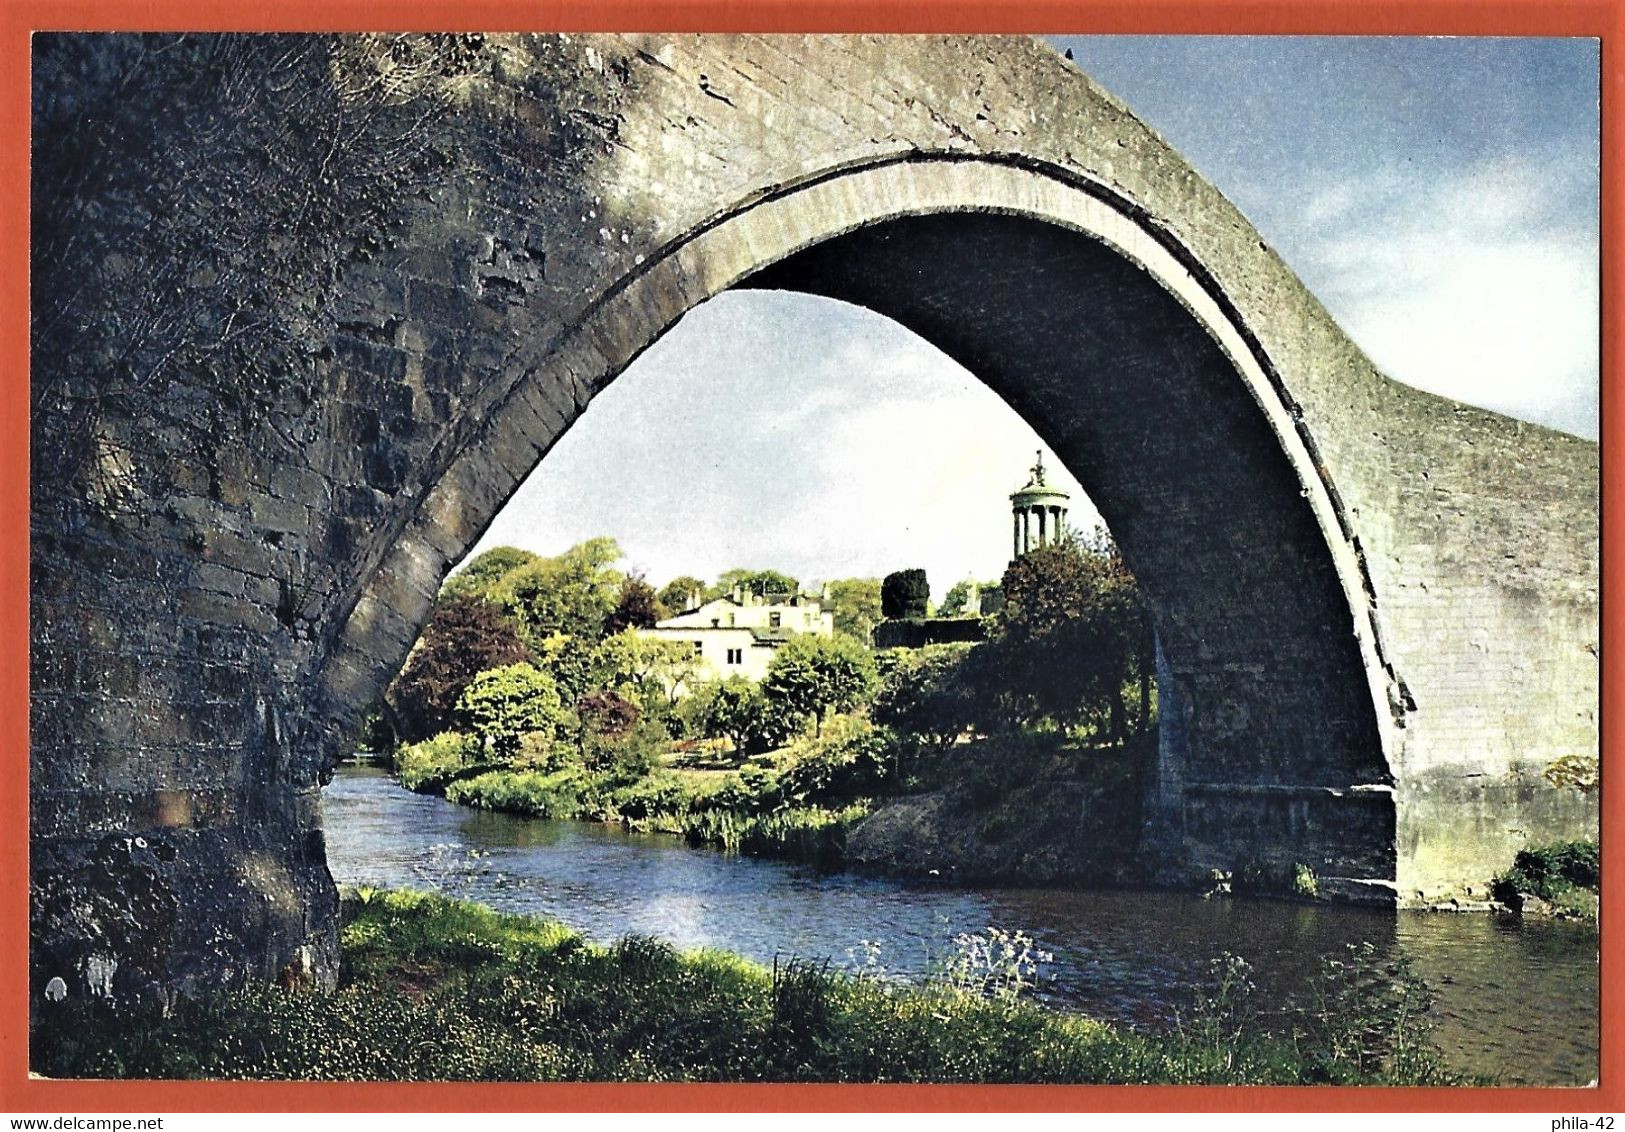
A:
{"points": [[255, 458]]}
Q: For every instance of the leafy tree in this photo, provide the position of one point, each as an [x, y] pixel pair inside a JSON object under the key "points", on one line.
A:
{"points": [[733, 709], [923, 694], [954, 604], [681, 594], [741, 713], [905, 593], [480, 576], [503, 704], [653, 671], [573, 594], [855, 602], [638, 607], [816, 676], [690, 719], [464, 636], [607, 722], [607, 714], [1073, 631], [759, 583], [577, 666]]}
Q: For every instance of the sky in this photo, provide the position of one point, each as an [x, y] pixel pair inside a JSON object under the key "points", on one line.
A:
{"points": [[1439, 196]]}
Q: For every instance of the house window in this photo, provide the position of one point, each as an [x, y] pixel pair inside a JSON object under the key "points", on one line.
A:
{"points": [[774, 620], [736, 656], [699, 648]]}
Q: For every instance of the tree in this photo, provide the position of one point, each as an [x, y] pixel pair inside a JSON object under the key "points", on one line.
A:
{"points": [[905, 593], [652, 670], [479, 576], [681, 594], [607, 714], [922, 693], [742, 714], [733, 710], [501, 705], [638, 607], [1073, 630], [463, 637], [577, 666], [611, 739], [573, 594], [816, 676], [954, 604], [758, 583], [855, 602]]}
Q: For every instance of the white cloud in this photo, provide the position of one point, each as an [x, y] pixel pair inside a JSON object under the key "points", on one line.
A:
{"points": [[1463, 283]]}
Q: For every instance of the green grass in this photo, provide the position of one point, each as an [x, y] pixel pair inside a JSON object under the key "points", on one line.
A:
{"points": [[813, 834], [565, 793], [435, 989]]}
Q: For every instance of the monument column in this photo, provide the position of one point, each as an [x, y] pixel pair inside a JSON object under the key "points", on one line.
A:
{"points": [[1038, 512]]}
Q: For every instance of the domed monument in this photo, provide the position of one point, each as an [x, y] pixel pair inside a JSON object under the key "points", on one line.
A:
{"points": [[1039, 512]]}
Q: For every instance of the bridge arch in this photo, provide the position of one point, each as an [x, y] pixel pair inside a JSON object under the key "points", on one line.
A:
{"points": [[1379, 608], [1109, 338]]}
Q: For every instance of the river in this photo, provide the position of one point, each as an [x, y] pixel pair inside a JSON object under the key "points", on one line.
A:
{"points": [[1515, 1001]]}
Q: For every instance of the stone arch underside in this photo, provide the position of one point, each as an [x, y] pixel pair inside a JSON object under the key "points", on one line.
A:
{"points": [[1115, 352], [1274, 755], [1330, 556]]}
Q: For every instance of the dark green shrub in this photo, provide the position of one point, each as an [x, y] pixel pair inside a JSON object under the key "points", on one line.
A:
{"points": [[562, 794], [1549, 872], [651, 797], [429, 765], [905, 593]]}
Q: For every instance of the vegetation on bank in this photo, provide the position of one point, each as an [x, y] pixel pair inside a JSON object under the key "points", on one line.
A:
{"points": [[434, 989], [797, 802], [1565, 876], [531, 692]]}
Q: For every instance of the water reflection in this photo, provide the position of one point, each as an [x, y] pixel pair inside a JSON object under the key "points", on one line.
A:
{"points": [[1518, 1002]]}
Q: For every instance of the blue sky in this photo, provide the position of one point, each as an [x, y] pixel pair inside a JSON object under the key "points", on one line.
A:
{"points": [[1438, 195]]}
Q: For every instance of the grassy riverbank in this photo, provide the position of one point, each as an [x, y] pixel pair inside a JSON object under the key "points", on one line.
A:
{"points": [[795, 803], [1035, 808], [436, 989]]}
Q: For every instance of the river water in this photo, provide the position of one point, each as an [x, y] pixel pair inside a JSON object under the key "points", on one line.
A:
{"points": [[1515, 1001]]}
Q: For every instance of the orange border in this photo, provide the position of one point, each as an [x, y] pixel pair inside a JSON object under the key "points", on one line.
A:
{"points": [[1604, 19]]}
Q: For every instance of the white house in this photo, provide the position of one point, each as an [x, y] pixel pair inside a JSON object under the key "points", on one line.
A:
{"points": [[736, 635]]}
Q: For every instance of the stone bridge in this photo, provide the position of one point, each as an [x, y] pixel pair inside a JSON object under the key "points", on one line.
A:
{"points": [[308, 311]]}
